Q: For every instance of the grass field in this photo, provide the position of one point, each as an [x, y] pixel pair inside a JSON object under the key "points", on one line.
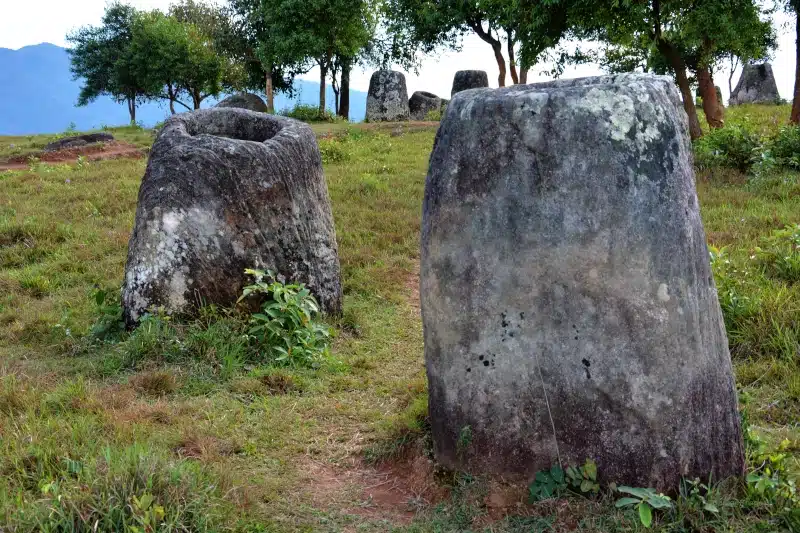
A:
{"points": [[163, 426]]}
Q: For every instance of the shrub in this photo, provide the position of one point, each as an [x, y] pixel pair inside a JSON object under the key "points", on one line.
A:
{"points": [[783, 150], [309, 113], [435, 115], [780, 256], [732, 146], [287, 328], [334, 150]]}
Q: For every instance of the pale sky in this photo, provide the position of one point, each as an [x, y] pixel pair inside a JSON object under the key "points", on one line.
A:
{"points": [[28, 22]]}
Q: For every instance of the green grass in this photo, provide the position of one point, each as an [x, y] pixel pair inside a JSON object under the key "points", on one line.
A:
{"points": [[175, 413]]}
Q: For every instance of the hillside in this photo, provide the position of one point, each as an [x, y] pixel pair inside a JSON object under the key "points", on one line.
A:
{"points": [[38, 95]]}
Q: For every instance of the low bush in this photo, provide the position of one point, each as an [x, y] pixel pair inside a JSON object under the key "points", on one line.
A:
{"points": [[310, 113], [732, 146]]}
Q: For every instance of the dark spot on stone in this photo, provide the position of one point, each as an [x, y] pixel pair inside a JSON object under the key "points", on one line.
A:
{"points": [[576, 337], [522, 316], [586, 363], [486, 363], [480, 358], [511, 334], [469, 370]]}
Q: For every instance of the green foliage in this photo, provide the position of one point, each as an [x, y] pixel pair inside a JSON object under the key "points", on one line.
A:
{"points": [[435, 115], [735, 146], [309, 113], [555, 482], [287, 329], [644, 501], [176, 59], [782, 150], [109, 324], [583, 479], [548, 484], [101, 57], [779, 254]]}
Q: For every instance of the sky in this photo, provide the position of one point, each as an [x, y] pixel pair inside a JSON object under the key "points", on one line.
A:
{"points": [[29, 22]]}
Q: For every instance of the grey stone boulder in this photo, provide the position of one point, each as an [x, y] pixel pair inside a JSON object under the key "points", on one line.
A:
{"points": [[76, 141], [469, 79], [225, 190], [421, 103], [387, 98], [569, 309], [250, 101], [756, 86]]}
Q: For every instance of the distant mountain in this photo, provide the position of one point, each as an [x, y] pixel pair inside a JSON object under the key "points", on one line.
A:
{"points": [[38, 95]]}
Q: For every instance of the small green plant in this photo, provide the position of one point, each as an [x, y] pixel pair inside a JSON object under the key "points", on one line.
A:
{"points": [[109, 325], [435, 115], [287, 328], [645, 501], [333, 150], [583, 479], [780, 255], [33, 163], [147, 513], [734, 146], [554, 482], [547, 484], [310, 113]]}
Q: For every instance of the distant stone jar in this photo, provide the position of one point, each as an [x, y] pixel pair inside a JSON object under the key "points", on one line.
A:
{"points": [[387, 98], [250, 101], [469, 79], [756, 86], [569, 308], [421, 103], [224, 190]]}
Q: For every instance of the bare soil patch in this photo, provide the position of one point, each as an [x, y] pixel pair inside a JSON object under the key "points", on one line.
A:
{"points": [[92, 152], [395, 491]]}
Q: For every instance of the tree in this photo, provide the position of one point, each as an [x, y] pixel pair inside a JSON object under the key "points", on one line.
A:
{"points": [[176, 58], [216, 23], [434, 23], [682, 35], [101, 57], [254, 44], [325, 32]]}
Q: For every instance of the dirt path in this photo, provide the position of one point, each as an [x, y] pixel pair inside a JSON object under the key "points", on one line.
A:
{"points": [[92, 152]]}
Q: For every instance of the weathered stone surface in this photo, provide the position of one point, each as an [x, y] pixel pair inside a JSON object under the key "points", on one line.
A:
{"points": [[469, 79], [421, 103], [568, 304], [387, 98], [756, 86], [224, 190], [250, 101], [77, 140]]}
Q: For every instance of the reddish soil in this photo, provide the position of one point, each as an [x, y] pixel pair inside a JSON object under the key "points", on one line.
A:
{"points": [[393, 491], [92, 152]]}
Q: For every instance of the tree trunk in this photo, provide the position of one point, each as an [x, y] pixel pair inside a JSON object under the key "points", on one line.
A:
{"points": [[711, 106], [344, 87], [523, 75], [269, 91], [501, 64], [132, 109], [734, 64], [171, 95], [323, 73], [512, 61], [679, 67], [497, 48], [795, 117], [196, 99]]}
